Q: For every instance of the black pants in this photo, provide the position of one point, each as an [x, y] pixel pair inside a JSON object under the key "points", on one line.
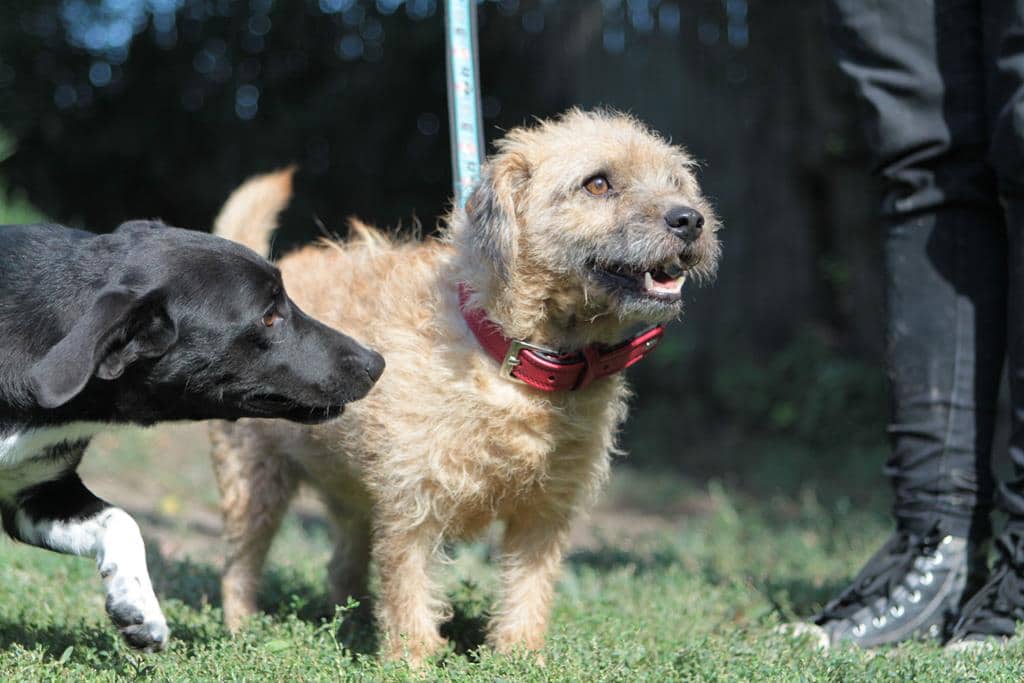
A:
{"points": [[942, 84]]}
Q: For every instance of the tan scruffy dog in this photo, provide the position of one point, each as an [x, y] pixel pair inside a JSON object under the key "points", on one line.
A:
{"points": [[583, 229]]}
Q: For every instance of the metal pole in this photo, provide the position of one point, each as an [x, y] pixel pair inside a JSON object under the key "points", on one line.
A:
{"points": [[464, 122]]}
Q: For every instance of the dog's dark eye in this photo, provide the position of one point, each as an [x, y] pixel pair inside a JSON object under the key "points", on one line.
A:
{"points": [[271, 318], [597, 186]]}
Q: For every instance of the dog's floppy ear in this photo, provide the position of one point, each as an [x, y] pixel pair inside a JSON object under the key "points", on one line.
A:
{"points": [[493, 228], [120, 327], [151, 333]]}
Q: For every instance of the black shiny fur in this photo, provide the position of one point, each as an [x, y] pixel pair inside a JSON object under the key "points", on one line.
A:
{"points": [[146, 324]]}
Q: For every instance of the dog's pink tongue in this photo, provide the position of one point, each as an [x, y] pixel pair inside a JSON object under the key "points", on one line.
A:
{"points": [[662, 283]]}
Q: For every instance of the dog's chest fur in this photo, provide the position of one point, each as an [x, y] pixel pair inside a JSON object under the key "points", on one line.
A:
{"points": [[480, 447], [533, 458], [442, 435]]}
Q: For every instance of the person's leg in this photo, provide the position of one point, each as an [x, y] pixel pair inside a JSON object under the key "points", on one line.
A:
{"points": [[1007, 153], [945, 300], [993, 613], [918, 68], [997, 608]]}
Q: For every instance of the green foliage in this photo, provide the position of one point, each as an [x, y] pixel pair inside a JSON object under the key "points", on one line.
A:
{"points": [[7, 145], [198, 96], [697, 600], [807, 390], [14, 208]]}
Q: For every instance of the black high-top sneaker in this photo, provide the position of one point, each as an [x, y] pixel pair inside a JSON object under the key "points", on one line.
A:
{"points": [[990, 617], [912, 588]]}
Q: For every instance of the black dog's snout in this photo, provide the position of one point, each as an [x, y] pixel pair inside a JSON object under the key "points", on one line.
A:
{"points": [[684, 222], [374, 365]]}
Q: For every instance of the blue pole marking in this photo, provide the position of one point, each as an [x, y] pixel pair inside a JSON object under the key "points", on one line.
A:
{"points": [[463, 97]]}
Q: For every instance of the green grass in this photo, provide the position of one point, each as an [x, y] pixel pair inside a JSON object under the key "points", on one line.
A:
{"points": [[672, 579]]}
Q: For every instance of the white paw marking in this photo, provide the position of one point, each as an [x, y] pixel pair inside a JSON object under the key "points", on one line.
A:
{"points": [[113, 538], [134, 610], [131, 603]]}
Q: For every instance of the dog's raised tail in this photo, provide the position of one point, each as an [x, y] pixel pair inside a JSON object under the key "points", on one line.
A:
{"points": [[249, 216]]}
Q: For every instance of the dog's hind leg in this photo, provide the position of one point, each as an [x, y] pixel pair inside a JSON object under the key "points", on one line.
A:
{"points": [[63, 515], [255, 488], [349, 569]]}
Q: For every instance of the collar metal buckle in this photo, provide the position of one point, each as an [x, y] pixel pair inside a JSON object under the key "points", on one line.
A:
{"points": [[511, 360]]}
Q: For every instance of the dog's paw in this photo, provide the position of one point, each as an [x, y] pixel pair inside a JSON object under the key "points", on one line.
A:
{"points": [[416, 652], [135, 612]]}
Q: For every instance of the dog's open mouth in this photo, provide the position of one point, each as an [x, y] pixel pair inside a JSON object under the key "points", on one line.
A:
{"points": [[280, 406], [663, 282]]}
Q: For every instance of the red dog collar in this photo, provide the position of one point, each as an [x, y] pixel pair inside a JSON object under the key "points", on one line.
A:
{"points": [[549, 370]]}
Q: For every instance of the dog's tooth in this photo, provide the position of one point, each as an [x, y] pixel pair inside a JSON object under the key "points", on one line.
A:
{"points": [[648, 281]]}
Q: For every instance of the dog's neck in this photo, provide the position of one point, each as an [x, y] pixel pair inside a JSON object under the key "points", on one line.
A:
{"points": [[548, 369], [529, 302], [531, 307]]}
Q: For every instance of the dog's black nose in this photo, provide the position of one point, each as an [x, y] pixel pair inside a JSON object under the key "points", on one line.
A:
{"points": [[374, 365], [684, 222]]}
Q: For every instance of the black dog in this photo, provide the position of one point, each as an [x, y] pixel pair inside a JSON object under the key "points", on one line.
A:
{"points": [[149, 323]]}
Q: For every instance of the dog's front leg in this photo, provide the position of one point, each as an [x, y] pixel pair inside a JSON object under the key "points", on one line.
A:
{"points": [[410, 610], [531, 558], [64, 516]]}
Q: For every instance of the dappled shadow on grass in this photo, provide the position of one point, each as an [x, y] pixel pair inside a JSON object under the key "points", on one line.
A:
{"points": [[95, 645], [607, 558], [149, 519], [284, 594], [757, 467], [465, 630], [312, 525], [196, 585], [100, 647], [281, 592], [53, 639], [797, 598]]}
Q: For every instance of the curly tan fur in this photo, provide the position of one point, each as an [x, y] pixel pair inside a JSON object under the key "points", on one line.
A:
{"points": [[443, 446]]}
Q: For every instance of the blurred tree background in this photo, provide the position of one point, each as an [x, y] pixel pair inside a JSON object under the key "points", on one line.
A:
{"points": [[114, 109]]}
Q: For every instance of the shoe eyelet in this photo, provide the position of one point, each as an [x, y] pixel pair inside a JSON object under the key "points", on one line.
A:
{"points": [[936, 559], [896, 611], [915, 597], [926, 580], [878, 622], [947, 540], [859, 630]]}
